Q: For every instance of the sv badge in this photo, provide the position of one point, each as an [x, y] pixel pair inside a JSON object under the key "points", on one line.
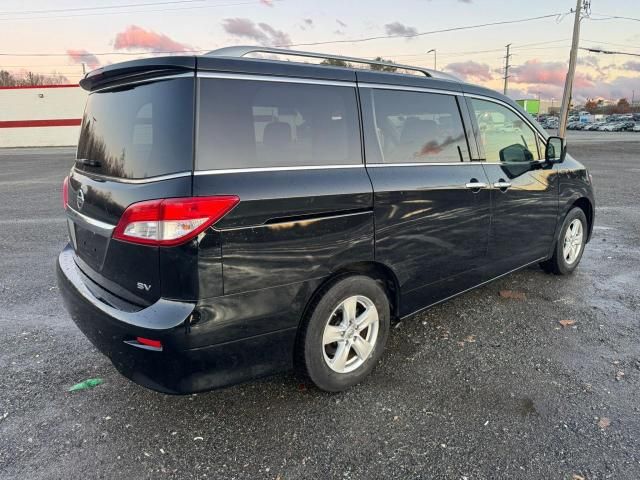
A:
{"points": [[143, 286]]}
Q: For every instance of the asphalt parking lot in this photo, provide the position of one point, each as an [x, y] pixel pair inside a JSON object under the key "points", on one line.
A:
{"points": [[482, 386]]}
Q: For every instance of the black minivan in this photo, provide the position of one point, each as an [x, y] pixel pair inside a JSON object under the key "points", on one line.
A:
{"points": [[233, 217]]}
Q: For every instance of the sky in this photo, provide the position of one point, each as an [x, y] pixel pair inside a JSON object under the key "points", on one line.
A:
{"points": [[99, 32]]}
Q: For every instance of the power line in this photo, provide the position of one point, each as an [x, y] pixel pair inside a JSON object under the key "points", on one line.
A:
{"points": [[132, 11], [420, 34], [100, 54], [598, 42], [474, 52], [106, 7], [615, 17], [609, 52], [357, 40]]}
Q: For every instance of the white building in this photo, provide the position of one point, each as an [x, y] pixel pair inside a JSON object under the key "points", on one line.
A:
{"points": [[47, 115]]}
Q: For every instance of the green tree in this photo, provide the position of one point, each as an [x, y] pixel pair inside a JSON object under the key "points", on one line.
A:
{"points": [[382, 68], [334, 62]]}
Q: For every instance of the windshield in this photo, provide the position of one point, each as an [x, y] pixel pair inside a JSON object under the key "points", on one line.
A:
{"points": [[138, 131]]}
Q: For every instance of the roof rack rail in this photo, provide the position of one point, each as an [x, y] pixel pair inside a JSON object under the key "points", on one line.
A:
{"points": [[241, 51]]}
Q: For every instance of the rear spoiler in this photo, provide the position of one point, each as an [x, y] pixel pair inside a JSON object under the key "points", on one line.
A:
{"points": [[136, 69]]}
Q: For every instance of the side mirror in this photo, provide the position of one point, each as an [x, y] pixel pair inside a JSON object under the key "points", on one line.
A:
{"points": [[556, 150]]}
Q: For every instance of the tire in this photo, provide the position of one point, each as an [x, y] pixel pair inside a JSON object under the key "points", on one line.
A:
{"points": [[560, 262], [336, 366]]}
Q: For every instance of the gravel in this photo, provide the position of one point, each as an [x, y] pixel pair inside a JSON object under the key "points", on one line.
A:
{"points": [[483, 386]]}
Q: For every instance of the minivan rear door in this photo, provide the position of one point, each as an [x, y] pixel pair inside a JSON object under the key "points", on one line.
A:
{"points": [[136, 144], [431, 203]]}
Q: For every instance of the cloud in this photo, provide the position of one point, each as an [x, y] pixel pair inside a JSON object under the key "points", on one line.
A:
{"points": [[276, 37], [137, 37], [633, 66], [263, 33], [399, 30], [548, 73], [619, 87], [535, 71], [591, 61], [471, 70], [82, 56], [308, 21]]}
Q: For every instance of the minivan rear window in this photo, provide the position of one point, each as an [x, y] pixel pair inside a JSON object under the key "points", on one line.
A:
{"points": [[138, 131], [250, 123]]}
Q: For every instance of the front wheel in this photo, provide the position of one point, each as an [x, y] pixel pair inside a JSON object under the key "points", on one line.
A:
{"points": [[569, 244], [344, 334]]}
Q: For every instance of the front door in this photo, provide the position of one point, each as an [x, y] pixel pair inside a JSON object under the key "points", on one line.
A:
{"points": [[524, 191], [431, 203]]}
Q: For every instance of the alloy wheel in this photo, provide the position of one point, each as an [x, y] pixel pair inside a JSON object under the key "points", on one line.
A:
{"points": [[350, 334], [573, 241]]}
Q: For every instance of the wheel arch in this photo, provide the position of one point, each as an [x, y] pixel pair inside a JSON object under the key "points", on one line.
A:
{"points": [[375, 270], [586, 206]]}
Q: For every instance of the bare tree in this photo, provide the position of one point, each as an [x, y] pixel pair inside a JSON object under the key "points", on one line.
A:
{"points": [[30, 79]]}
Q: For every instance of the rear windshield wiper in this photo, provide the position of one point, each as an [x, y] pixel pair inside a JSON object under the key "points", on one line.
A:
{"points": [[88, 162]]}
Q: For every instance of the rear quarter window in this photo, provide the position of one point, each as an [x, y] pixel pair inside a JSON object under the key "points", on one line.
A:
{"points": [[139, 131], [254, 124], [413, 127]]}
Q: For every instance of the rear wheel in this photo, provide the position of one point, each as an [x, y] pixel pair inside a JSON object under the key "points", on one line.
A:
{"points": [[344, 334], [569, 244]]}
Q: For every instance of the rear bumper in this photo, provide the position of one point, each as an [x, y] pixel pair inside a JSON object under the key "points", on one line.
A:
{"points": [[175, 369]]}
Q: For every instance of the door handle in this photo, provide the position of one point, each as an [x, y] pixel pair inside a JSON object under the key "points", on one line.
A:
{"points": [[502, 185], [475, 185]]}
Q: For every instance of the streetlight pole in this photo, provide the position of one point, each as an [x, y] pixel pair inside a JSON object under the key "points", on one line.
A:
{"points": [[435, 63]]}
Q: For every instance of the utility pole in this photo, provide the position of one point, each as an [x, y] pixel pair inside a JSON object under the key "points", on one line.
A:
{"points": [[568, 84], [84, 68], [506, 69]]}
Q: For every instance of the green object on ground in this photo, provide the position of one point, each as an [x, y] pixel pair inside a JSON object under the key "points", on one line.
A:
{"points": [[89, 383]]}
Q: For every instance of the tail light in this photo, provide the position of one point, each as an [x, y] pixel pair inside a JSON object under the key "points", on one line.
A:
{"points": [[65, 192], [171, 221]]}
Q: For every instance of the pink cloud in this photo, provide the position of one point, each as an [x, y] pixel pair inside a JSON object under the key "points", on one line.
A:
{"points": [[548, 73], [535, 71], [470, 70], [83, 56], [137, 37]]}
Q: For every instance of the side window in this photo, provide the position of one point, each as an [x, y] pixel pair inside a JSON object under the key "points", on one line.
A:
{"points": [[248, 123], [505, 136], [413, 127]]}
